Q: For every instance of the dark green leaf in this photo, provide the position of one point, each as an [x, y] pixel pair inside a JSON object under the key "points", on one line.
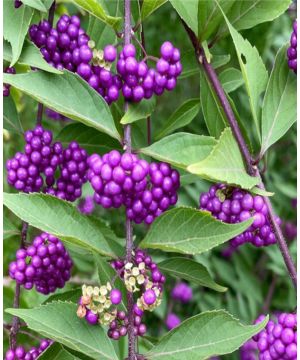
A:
{"points": [[57, 352], [9, 229], [11, 120], [188, 11], [149, 6], [138, 111]]}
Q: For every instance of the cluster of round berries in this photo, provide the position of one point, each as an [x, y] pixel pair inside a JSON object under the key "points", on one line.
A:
{"points": [[141, 82], [42, 157], [55, 115], [86, 206], [233, 205], [146, 190], [6, 87], [21, 354], [279, 339], [292, 50], [182, 292], [172, 321], [45, 264], [249, 350], [18, 3]]}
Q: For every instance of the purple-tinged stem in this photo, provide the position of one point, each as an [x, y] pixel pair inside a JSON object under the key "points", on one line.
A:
{"points": [[129, 230], [15, 321], [252, 170], [51, 13], [39, 115]]}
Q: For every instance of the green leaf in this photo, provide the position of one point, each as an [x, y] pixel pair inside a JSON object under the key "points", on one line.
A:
{"points": [[190, 231], [95, 8], [90, 139], [279, 110], [202, 336], [182, 116], [257, 191], [100, 33], [181, 149], [188, 11], [190, 270], [62, 219], [15, 27], [57, 352], [9, 229], [231, 79], [30, 56], [225, 164], [138, 111], [70, 296], [149, 6], [253, 70], [212, 110], [11, 120], [36, 4], [69, 95], [59, 322]]}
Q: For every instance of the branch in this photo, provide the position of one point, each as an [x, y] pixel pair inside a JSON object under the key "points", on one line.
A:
{"points": [[252, 170]]}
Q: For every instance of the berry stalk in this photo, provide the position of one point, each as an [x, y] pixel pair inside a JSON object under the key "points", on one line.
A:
{"points": [[252, 170], [129, 235]]}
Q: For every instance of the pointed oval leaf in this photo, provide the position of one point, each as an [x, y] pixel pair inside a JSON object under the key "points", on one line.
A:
{"points": [[182, 116], [188, 11], [11, 120], [190, 270], [69, 95], [59, 322], [181, 149], [225, 164], [202, 336], [231, 79], [190, 231], [138, 111], [15, 27], [9, 229], [279, 110], [35, 4], [149, 6], [57, 352], [62, 219]]}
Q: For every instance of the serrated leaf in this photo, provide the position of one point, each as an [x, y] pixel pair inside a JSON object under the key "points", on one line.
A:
{"points": [[11, 120], [57, 352], [279, 109], [213, 113], [30, 56], [59, 322], [9, 229], [182, 116], [35, 4], [15, 27], [188, 11], [95, 8], [202, 336], [138, 111], [190, 270], [69, 95], [149, 6], [90, 139], [62, 219], [190, 231], [225, 164], [253, 70], [231, 79], [70, 296], [181, 149]]}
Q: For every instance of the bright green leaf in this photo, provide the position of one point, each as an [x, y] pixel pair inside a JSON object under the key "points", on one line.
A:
{"points": [[138, 111], [15, 27], [149, 6], [62, 219], [69, 95], [190, 270], [11, 120], [231, 79], [36, 4], [202, 336], [30, 56], [100, 33], [58, 321], [279, 110], [225, 164], [181, 149], [188, 11], [182, 116], [70, 296], [190, 231], [257, 191]]}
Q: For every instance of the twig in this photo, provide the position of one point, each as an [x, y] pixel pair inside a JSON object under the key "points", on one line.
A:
{"points": [[267, 303], [140, 45], [39, 115], [252, 170], [150, 57]]}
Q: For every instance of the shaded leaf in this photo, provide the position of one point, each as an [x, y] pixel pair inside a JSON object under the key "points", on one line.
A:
{"points": [[36, 4], [57, 352], [9, 229], [11, 120], [100, 33], [138, 111], [188, 11], [149, 6]]}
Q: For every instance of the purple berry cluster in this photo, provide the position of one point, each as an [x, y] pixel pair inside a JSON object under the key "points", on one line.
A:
{"points": [[86, 206], [21, 354], [141, 82], [182, 292], [45, 264], [18, 3], [249, 350], [279, 339], [172, 321], [233, 205], [292, 50], [73, 168], [6, 87], [146, 190]]}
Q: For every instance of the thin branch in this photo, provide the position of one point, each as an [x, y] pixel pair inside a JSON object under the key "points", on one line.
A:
{"points": [[272, 287], [39, 115], [140, 45], [252, 170]]}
